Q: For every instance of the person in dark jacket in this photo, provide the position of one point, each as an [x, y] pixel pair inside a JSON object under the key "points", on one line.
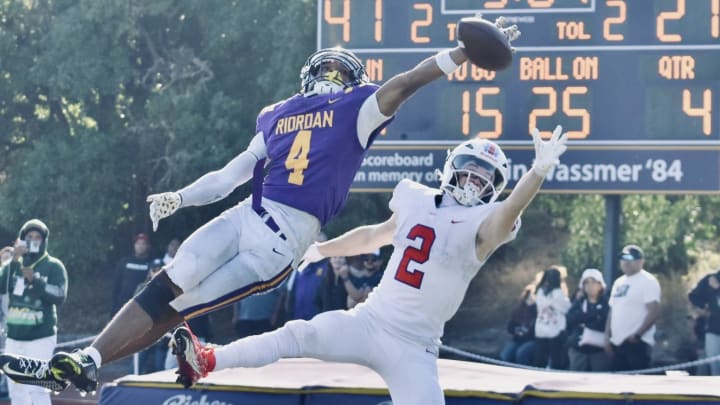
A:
{"points": [[333, 293], [131, 271], [37, 285], [521, 348], [706, 296], [586, 320]]}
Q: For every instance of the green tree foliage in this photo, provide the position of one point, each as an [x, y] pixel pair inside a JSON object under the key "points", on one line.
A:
{"points": [[103, 102], [668, 228]]}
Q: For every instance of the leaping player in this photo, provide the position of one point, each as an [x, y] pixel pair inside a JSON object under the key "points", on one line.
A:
{"points": [[440, 240], [314, 143]]}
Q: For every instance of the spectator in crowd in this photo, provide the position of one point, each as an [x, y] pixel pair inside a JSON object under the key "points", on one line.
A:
{"points": [[521, 348], [634, 309], [586, 325], [258, 313], [6, 255], [131, 271], [37, 285], [333, 294], [153, 358], [552, 305], [365, 274], [303, 289], [706, 297], [172, 248]]}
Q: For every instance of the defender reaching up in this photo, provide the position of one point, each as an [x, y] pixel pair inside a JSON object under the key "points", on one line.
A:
{"points": [[440, 238]]}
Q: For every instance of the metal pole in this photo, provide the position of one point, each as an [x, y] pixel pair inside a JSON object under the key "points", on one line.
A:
{"points": [[613, 211]]}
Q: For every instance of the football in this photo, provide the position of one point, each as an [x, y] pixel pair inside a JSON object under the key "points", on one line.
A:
{"points": [[485, 45]]}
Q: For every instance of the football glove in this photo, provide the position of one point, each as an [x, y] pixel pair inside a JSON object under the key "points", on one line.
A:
{"points": [[163, 205], [511, 33], [547, 153], [312, 255]]}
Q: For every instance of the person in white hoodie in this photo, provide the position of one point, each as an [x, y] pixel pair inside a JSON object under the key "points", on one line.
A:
{"points": [[552, 304]]}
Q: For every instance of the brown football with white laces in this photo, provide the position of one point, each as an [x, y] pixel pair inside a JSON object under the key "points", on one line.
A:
{"points": [[485, 45]]}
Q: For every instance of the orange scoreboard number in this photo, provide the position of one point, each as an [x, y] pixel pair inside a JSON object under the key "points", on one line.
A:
{"points": [[607, 70]]}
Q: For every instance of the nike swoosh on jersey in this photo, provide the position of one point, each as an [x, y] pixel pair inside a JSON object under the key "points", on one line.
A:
{"points": [[276, 252], [452, 221], [332, 100]]}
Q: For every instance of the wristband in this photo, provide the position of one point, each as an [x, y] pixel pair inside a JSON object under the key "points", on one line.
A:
{"points": [[445, 62]]}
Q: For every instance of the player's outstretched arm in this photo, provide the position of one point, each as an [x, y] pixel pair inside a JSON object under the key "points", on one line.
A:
{"points": [[212, 186], [363, 239], [497, 227], [401, 86]]}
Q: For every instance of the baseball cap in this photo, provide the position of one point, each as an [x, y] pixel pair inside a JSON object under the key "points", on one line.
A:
{"points": [[631, 252], [594, 274]]}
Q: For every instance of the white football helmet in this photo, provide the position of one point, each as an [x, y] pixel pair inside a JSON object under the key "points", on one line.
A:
{"points": [[475, 172], [315, 81]]}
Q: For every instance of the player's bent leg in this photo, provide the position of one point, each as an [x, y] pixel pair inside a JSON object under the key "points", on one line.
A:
{"points": [[157, 331], [129, 328], [333, 336], [203, 252]]}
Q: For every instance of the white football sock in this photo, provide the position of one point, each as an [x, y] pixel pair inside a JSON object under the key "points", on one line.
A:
{"points": [[257, 351]]}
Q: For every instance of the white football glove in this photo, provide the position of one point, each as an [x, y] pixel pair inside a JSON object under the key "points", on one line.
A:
{"points": [[511, 33], [547, 153], [163, 205], [312, 255]]}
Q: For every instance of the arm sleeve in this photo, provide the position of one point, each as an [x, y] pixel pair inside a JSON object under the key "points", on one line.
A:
{"points": [[55, 289], [575, 315], [651, 291], [560, 301], [698, 295], [218, 184], [369, 119], [4, 274], [399, 195]]}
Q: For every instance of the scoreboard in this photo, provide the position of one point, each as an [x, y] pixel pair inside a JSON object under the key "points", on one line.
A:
{"points": [[635, 83]]}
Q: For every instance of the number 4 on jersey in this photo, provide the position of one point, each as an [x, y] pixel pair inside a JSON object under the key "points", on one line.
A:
{"points": [[297, 160], [414, 278]]}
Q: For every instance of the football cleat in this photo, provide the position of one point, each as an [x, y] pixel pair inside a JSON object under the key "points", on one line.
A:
{"points": [[78, 368], [25, 370], [194, 360]]}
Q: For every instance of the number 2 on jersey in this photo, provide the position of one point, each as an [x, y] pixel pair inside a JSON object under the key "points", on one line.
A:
{"points": [[413, 278], [297, 160]]}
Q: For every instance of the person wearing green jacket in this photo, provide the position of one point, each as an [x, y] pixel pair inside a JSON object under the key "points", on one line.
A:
{"points": [[37, 285]]}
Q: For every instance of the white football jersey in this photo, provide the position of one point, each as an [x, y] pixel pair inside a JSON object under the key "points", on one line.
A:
{"points": [[432, 264]]}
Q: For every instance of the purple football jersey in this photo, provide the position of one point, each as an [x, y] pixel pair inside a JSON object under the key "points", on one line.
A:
{"points": [[313, 148]]}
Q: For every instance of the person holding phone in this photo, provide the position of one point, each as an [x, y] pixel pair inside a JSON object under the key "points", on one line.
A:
{"points": [[36, 285]]}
